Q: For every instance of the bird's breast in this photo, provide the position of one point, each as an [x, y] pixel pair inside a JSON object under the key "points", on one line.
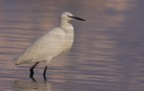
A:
{"points": [[69, 38]]}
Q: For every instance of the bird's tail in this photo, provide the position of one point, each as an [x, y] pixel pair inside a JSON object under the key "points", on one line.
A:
{"points": [[16, 61]]}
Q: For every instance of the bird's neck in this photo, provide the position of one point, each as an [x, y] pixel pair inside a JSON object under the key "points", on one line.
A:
{"points": [[66, 26], [69, 33]]}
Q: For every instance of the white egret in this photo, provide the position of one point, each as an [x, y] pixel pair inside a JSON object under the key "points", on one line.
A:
{"points": [[50, 45]]}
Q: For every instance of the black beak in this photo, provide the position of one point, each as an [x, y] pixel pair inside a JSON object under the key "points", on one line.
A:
{"points": [[74, 17]]}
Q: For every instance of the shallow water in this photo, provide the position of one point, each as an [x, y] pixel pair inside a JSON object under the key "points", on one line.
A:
{"points": [[107, 54]]}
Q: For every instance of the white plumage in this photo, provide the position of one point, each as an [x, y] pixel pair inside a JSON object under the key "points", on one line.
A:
{"points": [[45, 48], [51, 44]]}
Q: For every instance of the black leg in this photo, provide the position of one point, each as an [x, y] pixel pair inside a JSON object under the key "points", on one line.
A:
{"points": [[44, 73], [32, 72]]}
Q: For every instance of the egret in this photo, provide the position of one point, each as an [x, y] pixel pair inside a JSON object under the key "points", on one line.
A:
{"points": [[52, 44]]}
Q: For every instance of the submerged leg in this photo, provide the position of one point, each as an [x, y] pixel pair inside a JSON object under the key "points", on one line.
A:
{"points": [[32, 72], [44, 73]]}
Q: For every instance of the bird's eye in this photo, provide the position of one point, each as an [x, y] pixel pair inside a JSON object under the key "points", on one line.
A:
{"points": [[68, 16]]}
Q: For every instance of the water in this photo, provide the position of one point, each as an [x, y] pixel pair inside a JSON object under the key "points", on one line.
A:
{"points": [[107, 54]]}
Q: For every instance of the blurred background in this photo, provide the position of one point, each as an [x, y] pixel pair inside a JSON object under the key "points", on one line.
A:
{"points": [[107, 55]]}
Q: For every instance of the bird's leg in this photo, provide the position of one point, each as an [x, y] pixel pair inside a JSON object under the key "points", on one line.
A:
{"points": [[32, 72], [44, 73]]}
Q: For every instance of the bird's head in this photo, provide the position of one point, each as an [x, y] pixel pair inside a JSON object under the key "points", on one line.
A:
{"points": [[68, 16]]}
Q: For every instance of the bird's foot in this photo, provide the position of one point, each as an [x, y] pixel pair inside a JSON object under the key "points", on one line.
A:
{"points": [[33, 79]]}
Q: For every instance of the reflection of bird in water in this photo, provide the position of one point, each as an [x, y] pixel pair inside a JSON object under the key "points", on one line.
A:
{"points": [[32, 86], [50, 45]]}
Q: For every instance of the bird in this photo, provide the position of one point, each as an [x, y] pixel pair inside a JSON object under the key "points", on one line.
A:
{"points": [[53, 43]]}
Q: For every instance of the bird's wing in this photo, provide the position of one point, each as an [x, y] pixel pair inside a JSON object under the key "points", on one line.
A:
{"points": [[49, 45]]}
